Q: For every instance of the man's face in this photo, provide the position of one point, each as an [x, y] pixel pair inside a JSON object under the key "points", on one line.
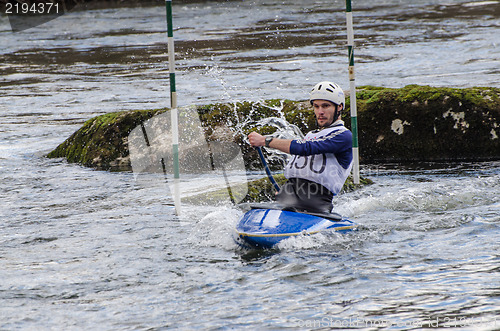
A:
{"points": [[324, 111]]}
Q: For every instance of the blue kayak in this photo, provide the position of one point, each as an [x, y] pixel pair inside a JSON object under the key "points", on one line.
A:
{"points": [[265, 226]]}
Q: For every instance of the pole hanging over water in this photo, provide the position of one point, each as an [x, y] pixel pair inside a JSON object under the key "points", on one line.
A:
{"points": [[352, 86], [173, 108]]}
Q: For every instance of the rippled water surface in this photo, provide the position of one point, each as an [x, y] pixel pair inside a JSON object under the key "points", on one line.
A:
{"points": [[87, 249]]}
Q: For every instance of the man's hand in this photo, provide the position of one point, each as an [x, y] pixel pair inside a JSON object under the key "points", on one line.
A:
{"points": [[256, 140]]}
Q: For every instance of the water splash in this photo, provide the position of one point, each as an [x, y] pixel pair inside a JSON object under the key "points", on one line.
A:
{"points": [[283, 130], [240, 125], [438, 203], [216, 228], [217, 74]]}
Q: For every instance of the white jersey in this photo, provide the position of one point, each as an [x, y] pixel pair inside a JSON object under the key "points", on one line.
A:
{"points": [[324, 157]]}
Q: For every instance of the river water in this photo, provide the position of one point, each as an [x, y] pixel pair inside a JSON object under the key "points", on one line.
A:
{"points": [[87, 249]]}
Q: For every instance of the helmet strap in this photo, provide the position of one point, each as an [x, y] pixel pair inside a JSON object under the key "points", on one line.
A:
{"points": [[336, 114]]}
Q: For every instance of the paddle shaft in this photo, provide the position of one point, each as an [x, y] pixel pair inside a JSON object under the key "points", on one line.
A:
{"points": [[268, 172]]}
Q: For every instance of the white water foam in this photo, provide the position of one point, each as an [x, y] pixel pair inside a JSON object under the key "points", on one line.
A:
{"points": [[216, 228]]}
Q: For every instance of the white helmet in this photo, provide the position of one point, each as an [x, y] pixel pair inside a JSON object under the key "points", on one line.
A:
{"points": [[328, 91]]}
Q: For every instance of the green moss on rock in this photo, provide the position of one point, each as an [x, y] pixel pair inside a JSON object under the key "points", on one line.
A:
{"points": [[102, 141], [428, 124], [399, 125]]}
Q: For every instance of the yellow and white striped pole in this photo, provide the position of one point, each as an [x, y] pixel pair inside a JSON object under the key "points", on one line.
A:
{"points": [[173, 108], [352, 86]]}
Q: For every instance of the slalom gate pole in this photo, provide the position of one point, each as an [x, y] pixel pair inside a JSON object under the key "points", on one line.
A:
{"points": [[352, 86], [173, 108]]}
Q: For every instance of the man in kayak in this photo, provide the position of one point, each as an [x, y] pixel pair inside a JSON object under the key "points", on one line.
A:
{"points": [[321, 162]]}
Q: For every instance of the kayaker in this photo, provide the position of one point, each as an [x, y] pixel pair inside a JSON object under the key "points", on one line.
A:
{"points": [[321, 162]]}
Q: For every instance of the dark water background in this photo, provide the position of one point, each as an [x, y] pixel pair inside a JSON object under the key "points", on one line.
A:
{"points": [[85, 249]]}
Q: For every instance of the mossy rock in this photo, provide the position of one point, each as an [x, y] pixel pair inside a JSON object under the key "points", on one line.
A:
{"points": [[102, 141], [414, 123], [423, 123]]}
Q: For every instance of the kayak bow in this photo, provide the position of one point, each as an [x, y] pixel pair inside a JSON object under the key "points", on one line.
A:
{"points": [[264, 226]]}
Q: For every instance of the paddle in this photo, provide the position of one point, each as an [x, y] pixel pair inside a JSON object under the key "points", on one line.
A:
{"points": [[268, 172]]}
